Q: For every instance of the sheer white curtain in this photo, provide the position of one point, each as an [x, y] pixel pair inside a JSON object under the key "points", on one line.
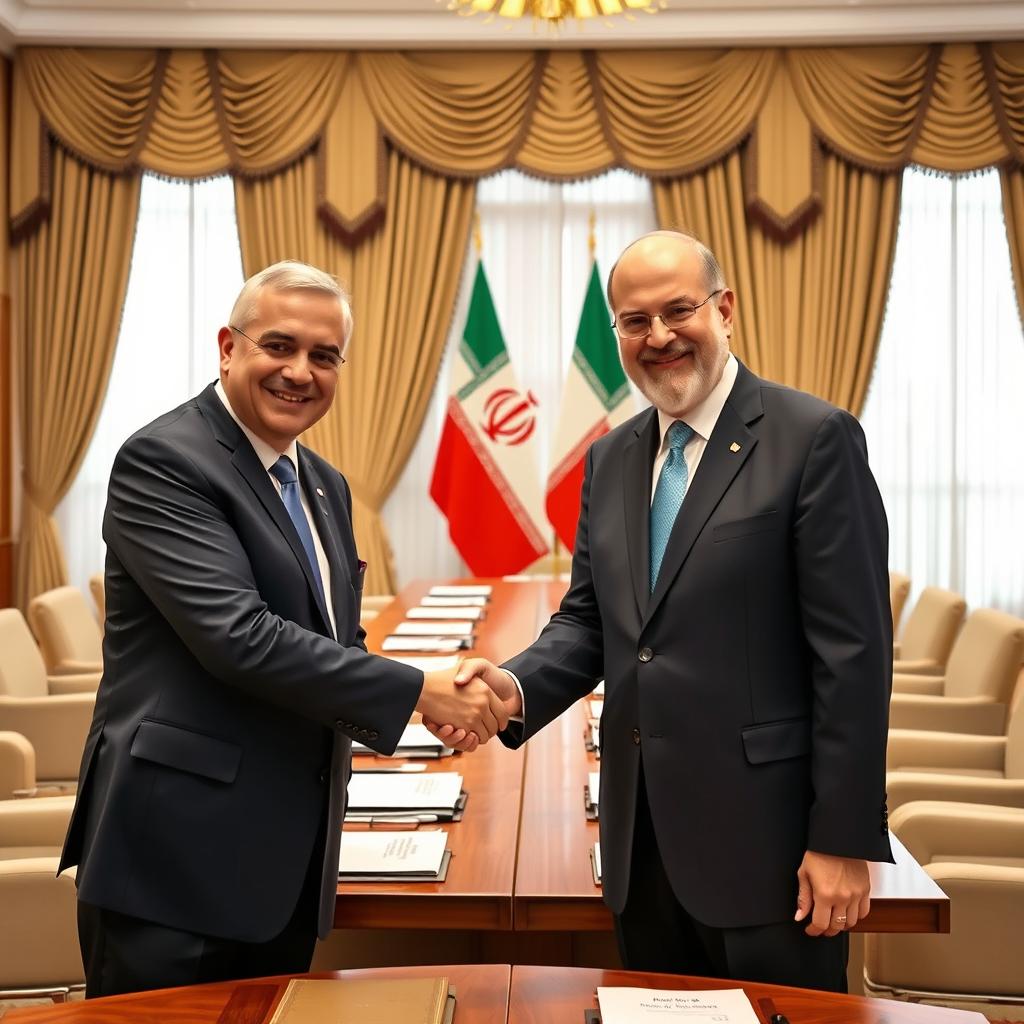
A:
{"points": [[943, 413], [186, 271], [535, 250]]}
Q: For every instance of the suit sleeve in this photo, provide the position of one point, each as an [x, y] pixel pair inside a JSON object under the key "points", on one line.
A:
{"points": [[841, 552], [165, 525], [567, 659]]}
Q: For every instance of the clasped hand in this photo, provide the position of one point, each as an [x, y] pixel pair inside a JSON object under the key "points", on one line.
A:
{"points": [[469, 705]]}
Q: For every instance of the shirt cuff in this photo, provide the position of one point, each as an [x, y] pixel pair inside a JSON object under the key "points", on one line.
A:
{"points": [[521, 717]]}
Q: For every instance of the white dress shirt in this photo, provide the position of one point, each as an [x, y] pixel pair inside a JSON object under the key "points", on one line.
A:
{"points": [[268, 456]]}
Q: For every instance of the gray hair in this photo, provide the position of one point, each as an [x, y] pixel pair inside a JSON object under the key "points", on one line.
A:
{"points": [[714, 279], [286, 276]]}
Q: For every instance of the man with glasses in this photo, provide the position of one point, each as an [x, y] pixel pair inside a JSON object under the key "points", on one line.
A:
{"points": [[729, 583], [212, 787]]}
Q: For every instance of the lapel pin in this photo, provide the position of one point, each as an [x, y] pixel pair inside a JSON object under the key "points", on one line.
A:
{"points": [[320, 491], [734, 447]]}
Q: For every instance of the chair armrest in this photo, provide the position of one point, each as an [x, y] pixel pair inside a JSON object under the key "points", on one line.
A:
{"points": [[55, 726], [918, 667], [905, 682], [947, 714], [953, 831], [80, 682], [71, 667], [919, 748], [982, 952], [903, 787], [35, 822], [17, 764]]}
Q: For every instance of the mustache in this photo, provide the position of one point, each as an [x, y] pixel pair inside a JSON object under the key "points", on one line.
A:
{"points": [[662, 355], [279, 384]]}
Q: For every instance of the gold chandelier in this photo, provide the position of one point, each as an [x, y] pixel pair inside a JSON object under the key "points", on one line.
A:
{"points": [[555, 11]]}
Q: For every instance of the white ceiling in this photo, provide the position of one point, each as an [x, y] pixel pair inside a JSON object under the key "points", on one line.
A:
{"points": [[428, 24]]}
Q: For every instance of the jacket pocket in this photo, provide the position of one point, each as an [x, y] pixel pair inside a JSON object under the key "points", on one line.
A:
{"points": [[188, 751], [776, 741], [744, 527]]}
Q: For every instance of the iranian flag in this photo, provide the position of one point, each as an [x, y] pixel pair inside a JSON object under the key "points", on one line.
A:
{"points": [[595, 399], [485, 478]]}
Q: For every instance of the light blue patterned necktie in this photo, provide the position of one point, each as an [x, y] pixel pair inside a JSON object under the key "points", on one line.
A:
{"points": [[668, 495], [284, 472]]}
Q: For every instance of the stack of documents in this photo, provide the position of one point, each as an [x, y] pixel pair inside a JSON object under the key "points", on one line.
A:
{"points": [[467, 613], [635, 1005], [592, 795], [595, 862], [474, 590], [374, 797], [369, 1001], [394, 856], [592, 737], [416, 741]]}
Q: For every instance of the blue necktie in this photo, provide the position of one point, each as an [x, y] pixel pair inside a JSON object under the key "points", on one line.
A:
{"points": [[284, 472], [668, 495]]}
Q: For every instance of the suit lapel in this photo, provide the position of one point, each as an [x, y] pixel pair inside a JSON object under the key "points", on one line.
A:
{"points": [[249, 467], [718, 467], [637, 459], [328, 528]]}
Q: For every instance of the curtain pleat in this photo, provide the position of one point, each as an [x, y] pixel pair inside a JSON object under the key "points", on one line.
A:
{"points": [[70, 281], [403, 282]]}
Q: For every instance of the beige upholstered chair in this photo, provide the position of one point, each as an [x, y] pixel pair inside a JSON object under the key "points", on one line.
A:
{"points": [[973, 694], [976, 855], [53, 713], [956, 766], [66, 629], [17, 765], [373, 605], [929, 633], [899, 588], [98, 595], [39, 952]]}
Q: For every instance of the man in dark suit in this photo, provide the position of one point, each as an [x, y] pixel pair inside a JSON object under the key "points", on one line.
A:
{"points": [[729, 583], [213, 781]]}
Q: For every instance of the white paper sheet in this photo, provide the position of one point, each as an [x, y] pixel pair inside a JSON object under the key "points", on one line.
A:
{"points": [[414, 736], [462, 590], [638, 1005], [434, 629], [469, 613], [594, 708], [594, 785], [435, 791], [440, 664], [425, 644], [461, 601], [385, 853]]}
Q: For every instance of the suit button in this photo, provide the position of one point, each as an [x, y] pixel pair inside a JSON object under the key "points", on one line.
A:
{"points": [[373, 734], [646, 654], [636, 737], [323, 777]]}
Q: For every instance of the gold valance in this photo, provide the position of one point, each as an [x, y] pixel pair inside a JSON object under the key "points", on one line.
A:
{"points": [[564, 114]]}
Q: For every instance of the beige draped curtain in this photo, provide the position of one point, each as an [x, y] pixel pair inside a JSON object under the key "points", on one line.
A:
{"points": [[786, 161], [403, 282]]}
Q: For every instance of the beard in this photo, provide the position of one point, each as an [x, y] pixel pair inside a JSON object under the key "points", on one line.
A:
{"points": [[677, 390]]}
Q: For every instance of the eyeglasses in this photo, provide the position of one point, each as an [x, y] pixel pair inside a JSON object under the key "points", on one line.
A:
{"points": [[638, 325], [282, 347]]}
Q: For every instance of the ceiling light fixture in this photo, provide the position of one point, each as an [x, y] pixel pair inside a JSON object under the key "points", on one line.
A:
{"points": [[555, 11]]}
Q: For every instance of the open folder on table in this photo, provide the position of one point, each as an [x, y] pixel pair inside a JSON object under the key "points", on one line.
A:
{"points": [[416, 741], [375, 798], [412, 856]]}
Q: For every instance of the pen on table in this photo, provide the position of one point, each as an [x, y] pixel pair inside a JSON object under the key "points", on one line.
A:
{"points": [[773, 1016]]}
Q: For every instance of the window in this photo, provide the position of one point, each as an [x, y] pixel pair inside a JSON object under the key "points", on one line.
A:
{"points": [[186, 271], [942, 416]]}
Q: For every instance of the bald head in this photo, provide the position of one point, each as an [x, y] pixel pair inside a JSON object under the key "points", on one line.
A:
{"points": [[663, 247]]}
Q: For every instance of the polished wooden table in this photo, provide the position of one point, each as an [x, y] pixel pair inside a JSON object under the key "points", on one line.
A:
{"points": [[555, 995], [481, 997], [477, 892], [555, 890]]}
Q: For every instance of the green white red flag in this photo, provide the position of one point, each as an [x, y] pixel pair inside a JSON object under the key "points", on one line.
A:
{"points": [[595, 399], [485, 476]]}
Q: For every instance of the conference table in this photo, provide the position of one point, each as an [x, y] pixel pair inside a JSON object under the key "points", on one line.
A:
{"points": [[521, 854], [485, 994]]}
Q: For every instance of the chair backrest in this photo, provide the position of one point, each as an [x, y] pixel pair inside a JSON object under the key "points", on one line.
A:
{"points": [[986, 657], [899, 587], [932, 625], [98, 594], [1014, 766], [65, 628], [22, 672]]}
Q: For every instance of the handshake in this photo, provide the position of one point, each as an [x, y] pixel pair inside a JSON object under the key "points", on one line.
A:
{"points": [[468, 705]]}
